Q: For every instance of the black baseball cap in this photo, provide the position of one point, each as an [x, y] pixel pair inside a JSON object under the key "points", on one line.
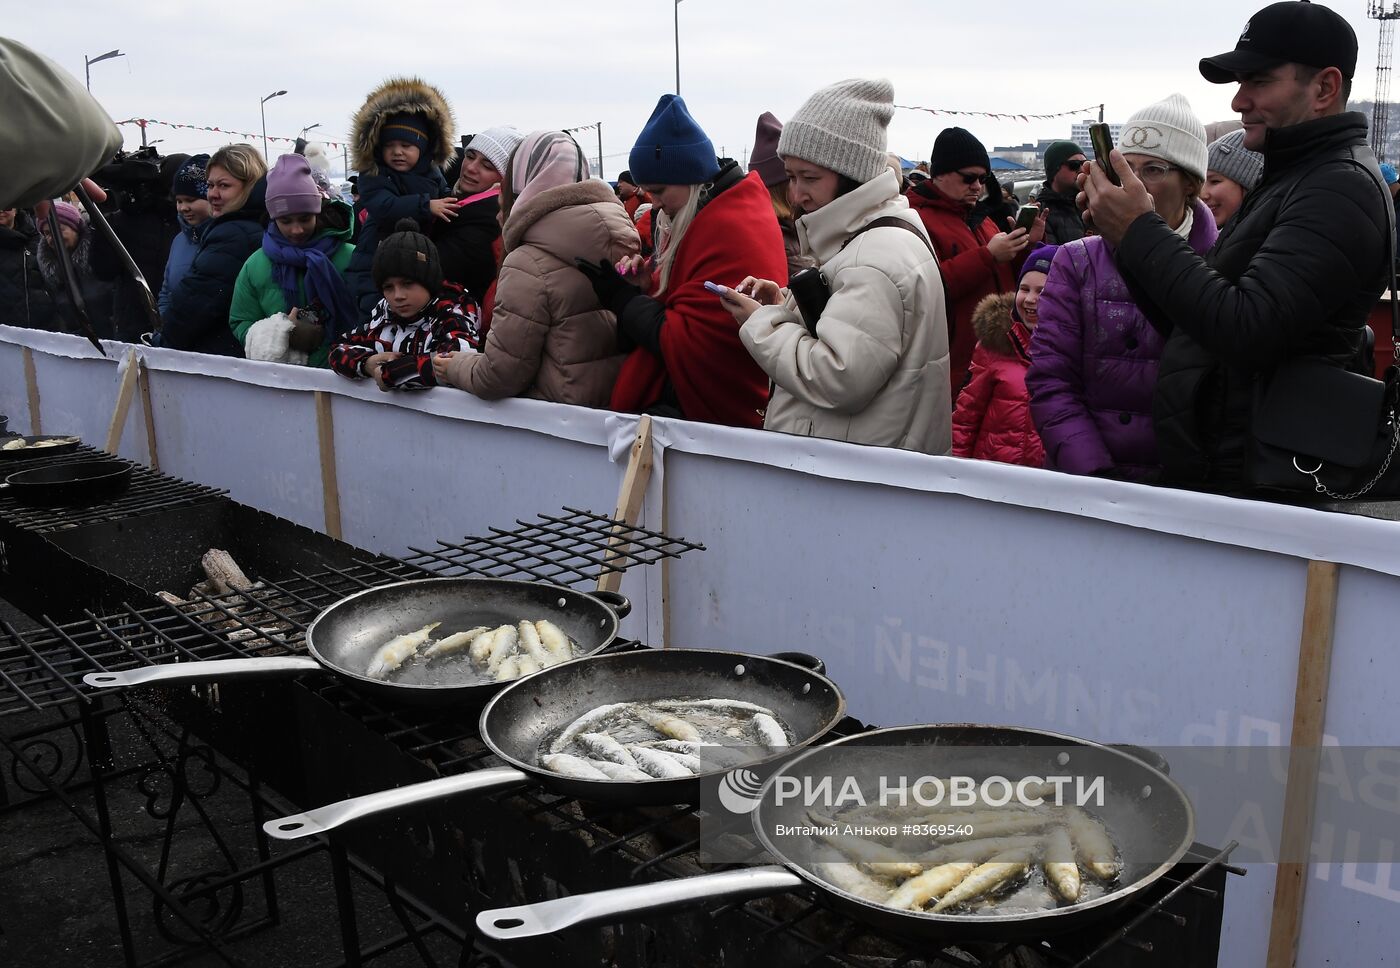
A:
{"points": [[1292, 32]]}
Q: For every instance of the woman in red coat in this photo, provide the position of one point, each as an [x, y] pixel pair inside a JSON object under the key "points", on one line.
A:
{"points": [[713, 224], [993, 417], [976, 260]]}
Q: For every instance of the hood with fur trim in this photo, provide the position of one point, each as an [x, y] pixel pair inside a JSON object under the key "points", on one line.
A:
{"points": [[992, 321], [400, 95]]}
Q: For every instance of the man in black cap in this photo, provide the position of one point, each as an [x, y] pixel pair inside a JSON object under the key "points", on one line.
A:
{"points": [[1296, 271], [1063, 159]]}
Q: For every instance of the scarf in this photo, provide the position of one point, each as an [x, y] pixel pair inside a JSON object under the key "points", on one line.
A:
{"points": [[1184, 229], [323, 284]]}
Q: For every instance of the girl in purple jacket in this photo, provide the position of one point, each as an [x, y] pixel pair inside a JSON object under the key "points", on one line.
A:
{"points": [[1094, 354]]}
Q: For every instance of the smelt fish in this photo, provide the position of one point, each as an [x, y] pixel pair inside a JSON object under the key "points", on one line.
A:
{"points": [[658, 764], [1060, 869], [552, 637], [509, 668], [502, 647], [976, 850], [525, 665], [396, 652], [585, 723], [932, 884], [617, 771], [604, 747], [572, 767], [769, 732], [986, 878], [877, 858], [853, 880], [738, 705], [690, 747], [672, 726], [530, 643], [1091, 841], [455, 642], [480, 648]]}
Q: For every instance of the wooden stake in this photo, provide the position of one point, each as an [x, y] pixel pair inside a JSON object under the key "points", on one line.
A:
{"points": [[330, 487], [124, 395], [31, 384], [1300, 796], [629, 499], [144, 385]]}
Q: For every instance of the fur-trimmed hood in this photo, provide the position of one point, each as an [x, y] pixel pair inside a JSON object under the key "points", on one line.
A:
{"points": [[992, 321], [396, 96]]}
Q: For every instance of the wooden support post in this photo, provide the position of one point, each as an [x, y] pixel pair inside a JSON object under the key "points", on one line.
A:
{"points": [[330, 486], [31, 384], [1300, 795], [629, 499], [124, 394], [144, 385]]}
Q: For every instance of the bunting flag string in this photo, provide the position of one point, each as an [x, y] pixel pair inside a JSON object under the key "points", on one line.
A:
{"points": [[143, 122], [582, 127], [1003, 116]]}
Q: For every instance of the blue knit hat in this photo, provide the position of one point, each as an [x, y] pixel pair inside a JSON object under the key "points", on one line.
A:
{"points": [[415, 129], [672, 149], [192, 178]]}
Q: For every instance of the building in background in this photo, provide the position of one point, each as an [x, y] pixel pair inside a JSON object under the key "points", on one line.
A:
{"points": [[1079, 134]]}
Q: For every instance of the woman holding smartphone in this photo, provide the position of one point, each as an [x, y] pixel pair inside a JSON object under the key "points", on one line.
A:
{"points": [[871, 367], [1095, 353]]}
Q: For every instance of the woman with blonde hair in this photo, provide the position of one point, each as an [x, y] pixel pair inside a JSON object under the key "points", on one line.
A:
{"points": [[714, 224], [198, 317]]}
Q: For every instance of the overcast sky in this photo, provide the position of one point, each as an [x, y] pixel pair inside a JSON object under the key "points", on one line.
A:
{"points": [[559, 63]]}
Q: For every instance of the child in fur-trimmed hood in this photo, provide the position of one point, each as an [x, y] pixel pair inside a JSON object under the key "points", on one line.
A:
{"points": [[401, 136], [993, 416]]}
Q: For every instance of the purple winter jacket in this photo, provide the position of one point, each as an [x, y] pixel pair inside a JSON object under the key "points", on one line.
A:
{"points": [[1094, 363]]}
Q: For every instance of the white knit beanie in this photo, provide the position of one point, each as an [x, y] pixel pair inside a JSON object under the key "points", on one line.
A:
{"points": [[843, 127], [1167, 130], [496, 145]]}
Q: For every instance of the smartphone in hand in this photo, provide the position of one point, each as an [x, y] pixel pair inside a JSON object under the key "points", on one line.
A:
{"points": [[1102, 141], [716, 288], [1026, 216]]}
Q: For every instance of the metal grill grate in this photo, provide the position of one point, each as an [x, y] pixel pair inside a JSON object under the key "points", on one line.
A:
{"points": [[150, 492], [565, 549]]}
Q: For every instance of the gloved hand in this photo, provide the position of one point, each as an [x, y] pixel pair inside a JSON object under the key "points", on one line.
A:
{"points": [[306, 337], [613, 293]]}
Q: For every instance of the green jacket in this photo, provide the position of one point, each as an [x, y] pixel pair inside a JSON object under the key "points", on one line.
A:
{"points": [[256, 295]]}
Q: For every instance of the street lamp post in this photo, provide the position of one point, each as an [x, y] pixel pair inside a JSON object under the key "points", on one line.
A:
{"points": [[262, 109], [677, 8], [89, 61], [309, 127]]}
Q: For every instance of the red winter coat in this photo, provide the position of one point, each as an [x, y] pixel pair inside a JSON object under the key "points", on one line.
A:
{"points": [[970, 274], [715, 378], [993, 418]]}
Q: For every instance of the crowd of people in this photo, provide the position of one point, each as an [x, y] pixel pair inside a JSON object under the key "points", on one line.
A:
{"points": [[1118, 330]]}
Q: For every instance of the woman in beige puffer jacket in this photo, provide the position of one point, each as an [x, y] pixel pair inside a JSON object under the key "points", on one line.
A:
{"points": [[549, 338]]}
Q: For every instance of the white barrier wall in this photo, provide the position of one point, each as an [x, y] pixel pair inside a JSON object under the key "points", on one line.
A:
{"points": [[937, 590]]}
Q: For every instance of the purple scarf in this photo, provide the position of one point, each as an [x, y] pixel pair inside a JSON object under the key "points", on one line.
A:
{"points": [[324, 284]]}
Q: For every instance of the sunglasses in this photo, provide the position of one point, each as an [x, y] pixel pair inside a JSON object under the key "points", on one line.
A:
{"points": [[969, 179], [1075, 165]]}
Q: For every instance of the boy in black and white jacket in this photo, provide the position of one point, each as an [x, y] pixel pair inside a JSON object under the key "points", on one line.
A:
{"points": [[420, 314]]}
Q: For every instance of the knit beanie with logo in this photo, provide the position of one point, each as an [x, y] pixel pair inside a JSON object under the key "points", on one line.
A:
{"points": [[1167, 130], [496, 145], [843, 127], [1228, 156], [409, 254], [956, 148]]}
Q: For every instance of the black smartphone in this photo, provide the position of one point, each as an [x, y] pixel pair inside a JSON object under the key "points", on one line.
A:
{"points": [[1026, 216], [1102, 141]]}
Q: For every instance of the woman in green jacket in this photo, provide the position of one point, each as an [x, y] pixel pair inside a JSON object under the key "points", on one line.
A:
{"points": [[290, 301]]}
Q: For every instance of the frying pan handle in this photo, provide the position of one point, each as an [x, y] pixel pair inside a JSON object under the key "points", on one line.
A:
{"points": [[334, 815], [620, 604], [547, 917], [804, 659], [1151, 757], [273, 667]]}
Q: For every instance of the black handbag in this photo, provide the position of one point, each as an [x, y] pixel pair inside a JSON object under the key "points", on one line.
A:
{"points": [[811, 291]]}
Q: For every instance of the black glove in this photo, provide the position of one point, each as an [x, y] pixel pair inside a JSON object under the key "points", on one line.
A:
{"points": [[613, 293], [306, 337]]}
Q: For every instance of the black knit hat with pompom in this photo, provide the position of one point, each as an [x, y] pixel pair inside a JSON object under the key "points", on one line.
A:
{"points": [[410, 254]]}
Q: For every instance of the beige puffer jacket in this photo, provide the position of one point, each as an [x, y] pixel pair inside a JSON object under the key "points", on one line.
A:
{"points": [[877, 371], [549, 337]]}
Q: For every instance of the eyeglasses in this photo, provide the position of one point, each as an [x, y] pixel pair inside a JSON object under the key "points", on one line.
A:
{"points": [[969, 179], [1154, 172], [1075, 164]]}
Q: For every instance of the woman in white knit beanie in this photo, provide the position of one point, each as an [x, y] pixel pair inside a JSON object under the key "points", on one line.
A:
{"points": [[869, 366]]}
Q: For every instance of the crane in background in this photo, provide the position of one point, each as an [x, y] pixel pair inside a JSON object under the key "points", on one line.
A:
{"points": [[1380, 114]]}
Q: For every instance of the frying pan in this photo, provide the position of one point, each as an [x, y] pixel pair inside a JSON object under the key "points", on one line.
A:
{"points": [[1143, 810], [27, 453], [77, 482], [344, 637], [531, 711]]}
